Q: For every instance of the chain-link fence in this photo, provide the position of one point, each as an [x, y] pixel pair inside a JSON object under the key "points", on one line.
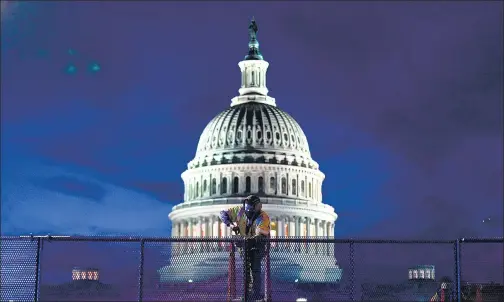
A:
{"points": [[281, 269]]}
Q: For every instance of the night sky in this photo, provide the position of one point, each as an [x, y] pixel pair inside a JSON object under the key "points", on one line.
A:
{"points": [[103, 104]]}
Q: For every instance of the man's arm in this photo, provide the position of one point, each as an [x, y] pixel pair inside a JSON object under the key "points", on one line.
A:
{"points": [[263, 225]]}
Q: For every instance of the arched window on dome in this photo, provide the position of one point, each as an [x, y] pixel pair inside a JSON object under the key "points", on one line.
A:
{"points": [[302, 188], [224, 185], [239, 136], [260, 184], [247, 184], [204, 187], [190, 192], [272, 185], [214, 186], [284, 185], [309, 190], [294, 187], [235, 185], [197, 189]]}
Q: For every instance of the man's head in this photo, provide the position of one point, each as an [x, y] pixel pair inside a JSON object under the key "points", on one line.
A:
{"points": [[252, 205]]}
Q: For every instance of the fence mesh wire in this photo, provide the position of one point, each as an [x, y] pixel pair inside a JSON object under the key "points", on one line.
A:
{"points": [[309, 270], [164, 269], [189, 271], [482, 271], [89, 271], [382, 270], [18, 269]]}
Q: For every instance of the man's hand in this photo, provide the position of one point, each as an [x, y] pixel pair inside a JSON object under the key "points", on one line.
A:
{"points": [[235, 229]]}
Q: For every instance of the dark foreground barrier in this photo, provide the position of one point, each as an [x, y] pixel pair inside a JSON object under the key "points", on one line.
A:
{"points": [[210, 269]]}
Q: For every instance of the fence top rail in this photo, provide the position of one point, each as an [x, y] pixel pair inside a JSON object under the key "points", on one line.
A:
{"points": [[482, 240], [233, 239]]}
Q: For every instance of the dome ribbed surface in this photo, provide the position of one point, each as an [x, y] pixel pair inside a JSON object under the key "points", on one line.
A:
{"points": [[253, 127]]}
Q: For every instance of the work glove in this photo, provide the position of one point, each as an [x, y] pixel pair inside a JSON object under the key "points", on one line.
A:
{"points": [[224, 217]]}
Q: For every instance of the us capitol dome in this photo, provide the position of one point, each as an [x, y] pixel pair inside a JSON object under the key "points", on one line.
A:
{"points": [[253, 147]]}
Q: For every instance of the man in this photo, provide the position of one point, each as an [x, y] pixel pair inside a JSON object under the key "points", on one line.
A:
{"points": [[253, 224]]}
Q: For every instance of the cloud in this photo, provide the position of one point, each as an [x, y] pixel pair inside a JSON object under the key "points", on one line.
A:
{"points": [[164, 190], [421, 84], [54, 203], [450, 201], [71, 186]]}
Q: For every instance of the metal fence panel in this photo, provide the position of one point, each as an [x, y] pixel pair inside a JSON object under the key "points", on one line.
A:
{"points": [[382, 270], [189, 271], [89, 271], [18, 269], [316, 271], [482, 270], [206, 269]]}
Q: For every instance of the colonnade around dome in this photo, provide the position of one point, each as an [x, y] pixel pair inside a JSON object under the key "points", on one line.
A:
{"points": [[283, 227], [264, 180]]}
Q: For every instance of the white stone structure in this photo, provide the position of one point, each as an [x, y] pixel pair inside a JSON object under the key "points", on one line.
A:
{"points": [[422, 272], [85, 274], [253, 147]]}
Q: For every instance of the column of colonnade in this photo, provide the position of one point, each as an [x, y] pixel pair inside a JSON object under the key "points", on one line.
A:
{"points": [[294, 226], [286, 226]]}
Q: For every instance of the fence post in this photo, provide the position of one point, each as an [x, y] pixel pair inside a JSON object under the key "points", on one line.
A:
{"points": [[246, 278], [267, 274], [231, 273], [141, 271], [352, 271], [37, 270], [457, 270]]}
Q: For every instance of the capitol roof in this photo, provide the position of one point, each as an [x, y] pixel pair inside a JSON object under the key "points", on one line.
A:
{"points": [[253, 129]]}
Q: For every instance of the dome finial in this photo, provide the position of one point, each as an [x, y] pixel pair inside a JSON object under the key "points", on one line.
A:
{"points": [[254, 53]]}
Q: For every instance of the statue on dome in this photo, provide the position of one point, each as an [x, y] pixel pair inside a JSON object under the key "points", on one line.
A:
{"points": [[253, 30], [254, 53]]}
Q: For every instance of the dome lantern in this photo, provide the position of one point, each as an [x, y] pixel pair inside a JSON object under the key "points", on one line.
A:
{"points": [[253, 69]]}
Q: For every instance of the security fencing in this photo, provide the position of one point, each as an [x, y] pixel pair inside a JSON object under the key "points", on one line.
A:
{"points": [[61, 268]]}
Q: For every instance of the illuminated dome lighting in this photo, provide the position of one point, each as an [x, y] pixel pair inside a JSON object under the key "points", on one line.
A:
{"points": [[253, 147]]}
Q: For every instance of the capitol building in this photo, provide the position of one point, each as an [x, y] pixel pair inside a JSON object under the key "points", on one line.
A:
{"points": [[253, 147]]}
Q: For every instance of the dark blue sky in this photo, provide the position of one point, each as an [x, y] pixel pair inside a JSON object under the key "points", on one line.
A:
{"points": [[401, 104]]}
